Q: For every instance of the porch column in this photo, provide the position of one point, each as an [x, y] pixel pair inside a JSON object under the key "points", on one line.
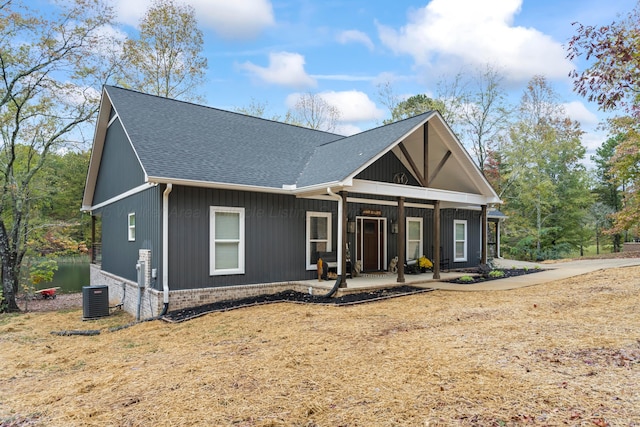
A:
{"points": [[483, 250], [436, 240], [498, 239], [343, 241], [401, 237]]}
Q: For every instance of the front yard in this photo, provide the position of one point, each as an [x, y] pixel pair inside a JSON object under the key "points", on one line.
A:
{"points": [[565, 353]]}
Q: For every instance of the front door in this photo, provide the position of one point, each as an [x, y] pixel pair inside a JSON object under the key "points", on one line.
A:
{"points": [[371, 243]]}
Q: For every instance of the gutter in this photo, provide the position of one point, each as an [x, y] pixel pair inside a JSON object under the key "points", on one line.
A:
{"points": [[165, 248]]}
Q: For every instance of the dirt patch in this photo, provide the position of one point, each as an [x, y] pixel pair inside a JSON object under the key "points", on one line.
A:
{"points": [[562, 353], [60, 302]]}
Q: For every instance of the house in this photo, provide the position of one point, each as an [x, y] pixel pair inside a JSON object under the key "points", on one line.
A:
{"points": [[222, 205]]}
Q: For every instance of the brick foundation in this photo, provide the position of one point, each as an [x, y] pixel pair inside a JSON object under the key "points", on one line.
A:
{"points": [[125, 292]]}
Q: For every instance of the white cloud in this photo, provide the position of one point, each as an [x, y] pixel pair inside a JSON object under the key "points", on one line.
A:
{"points": [[454, 33], [285, 69], [355, 36], [576, 110], [343, 77], [354, 106], [237, 19]]}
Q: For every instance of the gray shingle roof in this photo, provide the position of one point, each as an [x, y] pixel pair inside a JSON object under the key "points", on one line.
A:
{"points": [[177, 140], [336, 160], [180, 140]]}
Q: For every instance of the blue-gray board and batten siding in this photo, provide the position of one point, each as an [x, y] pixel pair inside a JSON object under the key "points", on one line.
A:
{"points": [[120, 170], [119, 255], [275, 235]]}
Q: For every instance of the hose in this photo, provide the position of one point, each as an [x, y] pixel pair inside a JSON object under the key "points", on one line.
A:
{"points": [[334, 289]]}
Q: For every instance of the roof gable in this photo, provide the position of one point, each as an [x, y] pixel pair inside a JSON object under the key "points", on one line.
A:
{"points": [[355, 152], [180, 140]]}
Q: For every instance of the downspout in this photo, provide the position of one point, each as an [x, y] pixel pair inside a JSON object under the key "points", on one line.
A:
{"points": [[165, 248], [339, 251]]}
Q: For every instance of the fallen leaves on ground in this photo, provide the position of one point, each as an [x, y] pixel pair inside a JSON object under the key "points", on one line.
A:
{"points": [[562, 353]]}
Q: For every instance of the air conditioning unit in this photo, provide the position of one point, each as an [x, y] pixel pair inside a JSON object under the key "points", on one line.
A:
{"points": [[95, 302]]}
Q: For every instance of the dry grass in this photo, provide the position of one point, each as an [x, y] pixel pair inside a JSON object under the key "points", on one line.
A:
{"points": [[565, 353]]}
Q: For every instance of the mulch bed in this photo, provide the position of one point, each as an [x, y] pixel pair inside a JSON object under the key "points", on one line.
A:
{"points": [[291, 296], [508, 272]]}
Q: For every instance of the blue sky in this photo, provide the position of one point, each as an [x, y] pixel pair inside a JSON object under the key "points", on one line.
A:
{"points": [[272, 50]]}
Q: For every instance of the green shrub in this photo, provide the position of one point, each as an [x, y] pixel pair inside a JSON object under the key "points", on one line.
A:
{"points": [[466, 279], [496, 273]]}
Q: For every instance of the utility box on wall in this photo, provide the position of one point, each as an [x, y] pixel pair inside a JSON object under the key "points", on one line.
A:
{"points": [[95, 301]]}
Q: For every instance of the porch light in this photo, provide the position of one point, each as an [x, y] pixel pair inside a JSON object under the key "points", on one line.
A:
{"points": [[394, 227], [351, 227]]}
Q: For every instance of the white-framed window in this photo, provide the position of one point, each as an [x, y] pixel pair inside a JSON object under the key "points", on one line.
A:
{"points": [[226, 254], [131, 227], [414, 238], [318, 236], [460, 240]]}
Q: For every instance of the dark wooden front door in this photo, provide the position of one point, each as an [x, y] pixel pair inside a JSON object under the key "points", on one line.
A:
{"points": [[372, 244]]}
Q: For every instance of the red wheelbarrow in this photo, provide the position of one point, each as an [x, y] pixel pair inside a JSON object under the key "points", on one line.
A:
{"points": [[49, 293]]}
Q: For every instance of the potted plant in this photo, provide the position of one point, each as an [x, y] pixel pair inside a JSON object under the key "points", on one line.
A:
{"points": [[424, 263]]}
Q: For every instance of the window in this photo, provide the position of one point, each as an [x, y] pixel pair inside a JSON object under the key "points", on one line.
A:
{"points": [[414, 238], [131, 227], [318, 236], [227, 241], [460, 240]]}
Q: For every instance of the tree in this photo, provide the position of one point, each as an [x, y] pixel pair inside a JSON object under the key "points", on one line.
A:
{"points": [[484, 114], [414, 105], [625, 167], [166, 60], [613, 51], [612, 79], [549, 191], [47, 92], [607, 188], [259, 109], [312, 111]]}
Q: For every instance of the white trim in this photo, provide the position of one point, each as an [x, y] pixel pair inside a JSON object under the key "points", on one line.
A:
{"points": [[165, 243], [131, 229], [124, 128], [113, 119], [212, 241], [371, 201], [396, 190], [455, 241], [99, 138], [228, 186], [392, 146], [359, 256], [119, 197], [311, 214], [421, 250]]}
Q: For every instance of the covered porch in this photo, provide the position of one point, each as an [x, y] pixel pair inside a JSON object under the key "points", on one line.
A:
{"points": [[418, 194]]}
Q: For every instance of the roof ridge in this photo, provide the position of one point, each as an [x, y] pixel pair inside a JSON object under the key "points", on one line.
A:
{"points": [[221, 110], [378, 127]]}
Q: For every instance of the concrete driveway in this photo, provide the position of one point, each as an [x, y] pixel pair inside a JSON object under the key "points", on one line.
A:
{"points": [[552, 272]]}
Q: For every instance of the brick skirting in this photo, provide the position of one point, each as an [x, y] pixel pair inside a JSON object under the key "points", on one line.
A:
{"points": [[125, 292]]}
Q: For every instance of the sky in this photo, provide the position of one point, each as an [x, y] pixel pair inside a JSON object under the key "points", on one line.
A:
{"points": [[271, 51]]}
